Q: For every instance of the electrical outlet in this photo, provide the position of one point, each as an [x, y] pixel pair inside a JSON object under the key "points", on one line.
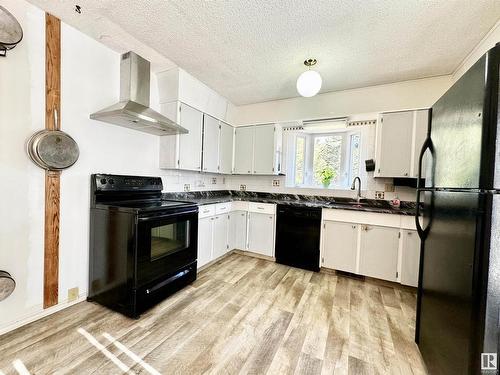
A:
{"points": [[379, 195], [389, 188], [276, 182], [214, 180], [187, 187], [72, 294], [243, 188]]}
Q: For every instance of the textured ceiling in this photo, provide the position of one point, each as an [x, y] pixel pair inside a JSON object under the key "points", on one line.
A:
{"points": [[252, 51]]}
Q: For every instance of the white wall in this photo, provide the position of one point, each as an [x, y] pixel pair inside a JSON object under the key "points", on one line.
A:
{"points": [[22, 112], [396, 96], [89, 82]]}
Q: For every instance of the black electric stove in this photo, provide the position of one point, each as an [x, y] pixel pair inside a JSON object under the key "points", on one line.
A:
{"points": [[142, 247]]}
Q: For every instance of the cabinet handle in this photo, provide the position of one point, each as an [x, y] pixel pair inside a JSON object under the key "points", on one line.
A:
{"points": [[260, 208], [406, 173], [354, 227], [409, 233], [206, 211]]}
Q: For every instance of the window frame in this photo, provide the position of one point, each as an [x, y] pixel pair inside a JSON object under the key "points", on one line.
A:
{"points": [[342, 181]]}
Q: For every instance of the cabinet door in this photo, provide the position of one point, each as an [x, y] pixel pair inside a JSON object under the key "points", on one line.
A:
{"points": [[243, 150], [190, 144], [205, 240], [394, 144], [379, 252], [221, 226], [226, 148], [420, 133], [261, 233], [237, 237], [410, 258], [210, 144], [264, 150], [340, 246]]}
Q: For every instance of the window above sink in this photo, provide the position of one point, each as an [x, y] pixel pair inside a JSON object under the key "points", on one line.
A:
{"points": [[319, 146]]}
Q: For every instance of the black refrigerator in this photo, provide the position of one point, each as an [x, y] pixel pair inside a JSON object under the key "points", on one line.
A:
{"points": [[459, 204]]}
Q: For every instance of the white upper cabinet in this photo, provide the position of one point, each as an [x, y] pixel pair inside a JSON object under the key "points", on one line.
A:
{"points": [[399, 138], [226, 148], [182, 151], [243, 150], [208, 147], [420, 133], [257, 149], [410, 258], [190, 144], [211, 137], [340, 245], [264, 152], [378, 253]]}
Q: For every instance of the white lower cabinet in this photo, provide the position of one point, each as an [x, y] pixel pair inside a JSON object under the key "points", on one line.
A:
{"points": [[410, 258], [340, 246], [221, 226], [382, 246], [205, 240], [378, 253], [237, 236], [261, 233]]}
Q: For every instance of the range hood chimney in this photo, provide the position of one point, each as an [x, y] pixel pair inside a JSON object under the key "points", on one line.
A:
{"points": [[133, 109]]}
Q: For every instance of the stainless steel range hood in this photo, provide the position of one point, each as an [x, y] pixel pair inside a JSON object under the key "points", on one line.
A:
{"points": [[133, 109]]}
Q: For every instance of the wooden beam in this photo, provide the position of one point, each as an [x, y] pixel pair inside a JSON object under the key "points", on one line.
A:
{"points": [[52, 179]]}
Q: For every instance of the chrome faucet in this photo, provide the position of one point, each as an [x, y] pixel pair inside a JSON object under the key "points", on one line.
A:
{"points": [[353, 187]]}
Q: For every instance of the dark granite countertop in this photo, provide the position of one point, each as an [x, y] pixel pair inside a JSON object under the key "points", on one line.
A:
{"points": [[222, 196]]}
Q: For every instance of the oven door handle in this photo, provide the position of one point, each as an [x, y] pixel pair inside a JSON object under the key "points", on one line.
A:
{"points": [[177, 214]]}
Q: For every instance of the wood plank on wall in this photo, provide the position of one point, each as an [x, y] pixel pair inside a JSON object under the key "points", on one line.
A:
{"points": [[52, 179]]}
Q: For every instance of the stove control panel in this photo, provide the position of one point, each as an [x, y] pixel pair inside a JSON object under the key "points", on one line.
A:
{"points": [[108, 182]]}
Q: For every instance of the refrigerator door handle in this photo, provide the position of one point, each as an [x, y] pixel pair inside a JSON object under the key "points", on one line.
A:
{"points": [[423, 232], [426, 146]]}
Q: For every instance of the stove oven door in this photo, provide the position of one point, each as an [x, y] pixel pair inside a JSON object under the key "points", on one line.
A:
{"points": [[166, 244]]}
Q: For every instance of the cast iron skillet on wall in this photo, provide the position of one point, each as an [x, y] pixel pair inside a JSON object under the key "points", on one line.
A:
{"points": [[11, 32]]}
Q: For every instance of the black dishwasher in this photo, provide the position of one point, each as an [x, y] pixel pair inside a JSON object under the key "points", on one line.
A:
{"points": [[297, 236]]}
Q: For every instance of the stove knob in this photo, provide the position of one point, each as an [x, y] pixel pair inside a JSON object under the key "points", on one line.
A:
{"points": [[111, 181], [103, 181]]}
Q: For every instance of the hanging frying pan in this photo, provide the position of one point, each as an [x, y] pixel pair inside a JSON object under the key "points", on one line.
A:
{"points": [[7, 285], [53, 150], [11, 32]]}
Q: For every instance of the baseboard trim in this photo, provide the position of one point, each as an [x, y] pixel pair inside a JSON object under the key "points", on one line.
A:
{"points": [[39, 314]]}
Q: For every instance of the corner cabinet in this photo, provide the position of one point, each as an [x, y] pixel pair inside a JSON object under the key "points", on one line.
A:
{"points": [[399, 139], [258, 149], [208, 147]]}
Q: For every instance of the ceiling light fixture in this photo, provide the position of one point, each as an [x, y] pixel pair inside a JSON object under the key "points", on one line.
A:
{"points": [[309, 82]]}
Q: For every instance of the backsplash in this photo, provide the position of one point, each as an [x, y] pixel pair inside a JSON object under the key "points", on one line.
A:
{"points": [[178, 181], [175, 181]]}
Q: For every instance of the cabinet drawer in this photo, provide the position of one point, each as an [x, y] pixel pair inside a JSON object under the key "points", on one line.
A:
{"points": [[206, 211], [222, 208], [239, 206], [263, 208]]}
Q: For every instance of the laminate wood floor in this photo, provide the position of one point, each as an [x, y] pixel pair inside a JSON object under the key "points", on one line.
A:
{"points": [[242, 315]]}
